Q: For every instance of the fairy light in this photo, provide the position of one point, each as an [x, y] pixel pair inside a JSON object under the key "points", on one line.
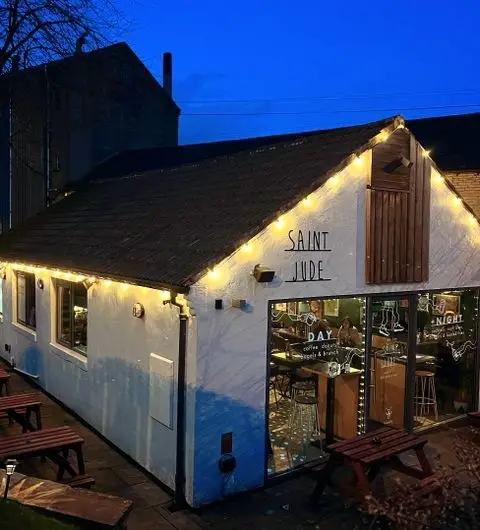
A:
{"points": [[334, 179], [165, 295], [307, 202], [361, 385], [472, 220], [280, 222], [125, 286], [247, 248], [438, 179], [213, 274], [358, 160], [107, 283], [457, 200], [426, 153]]}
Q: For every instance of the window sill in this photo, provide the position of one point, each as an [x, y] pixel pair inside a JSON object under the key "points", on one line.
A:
{"points": [[26, 332], [70, 356]]}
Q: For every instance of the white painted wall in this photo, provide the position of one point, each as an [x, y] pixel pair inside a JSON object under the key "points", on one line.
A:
{"points": [[231, 360], [110, 389]]}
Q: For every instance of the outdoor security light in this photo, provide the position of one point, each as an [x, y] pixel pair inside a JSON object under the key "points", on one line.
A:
{"points": [[263, 274], [10, 466]]}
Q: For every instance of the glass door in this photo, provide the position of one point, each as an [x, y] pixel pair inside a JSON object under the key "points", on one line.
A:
{"points": [[388, 362]]}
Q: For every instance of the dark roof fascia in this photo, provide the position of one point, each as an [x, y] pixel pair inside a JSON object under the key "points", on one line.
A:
{"points": [[389, 125]]}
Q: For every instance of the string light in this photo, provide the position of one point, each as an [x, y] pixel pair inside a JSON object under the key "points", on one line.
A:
{"points": [[125, 286], [213, 274], [358, 160], [307, 201], [334, 179], [247, 248], [280, 222], [107, 283], [438, 178], [426, 153], [457, 200]]}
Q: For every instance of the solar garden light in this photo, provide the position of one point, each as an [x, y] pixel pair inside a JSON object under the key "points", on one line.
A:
{"points": [[10, 466]]}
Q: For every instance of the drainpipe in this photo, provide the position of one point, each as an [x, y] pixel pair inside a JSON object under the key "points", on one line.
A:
{"points": [[179, 495]]}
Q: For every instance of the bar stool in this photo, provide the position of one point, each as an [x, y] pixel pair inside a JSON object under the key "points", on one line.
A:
{"points": [[425, 394], [304, 417], [273, 383]]}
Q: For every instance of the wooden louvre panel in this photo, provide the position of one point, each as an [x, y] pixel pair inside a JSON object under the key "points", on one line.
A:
{"points": [[398, 213]]}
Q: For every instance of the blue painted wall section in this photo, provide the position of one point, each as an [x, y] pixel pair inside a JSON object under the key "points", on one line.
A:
{"points": [[4, 166]]}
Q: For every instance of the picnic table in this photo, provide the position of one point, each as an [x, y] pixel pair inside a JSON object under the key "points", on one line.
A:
{"points": [[19, 408], [4, 382], [54, 444], [367, 454], [99, 510]]}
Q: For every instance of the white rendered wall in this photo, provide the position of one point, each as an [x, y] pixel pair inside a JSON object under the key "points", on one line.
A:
{"points": [[231, 357], [110, 389]]}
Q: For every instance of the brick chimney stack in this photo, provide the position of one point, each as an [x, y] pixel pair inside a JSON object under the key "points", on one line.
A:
{"points": [[167, 72]]}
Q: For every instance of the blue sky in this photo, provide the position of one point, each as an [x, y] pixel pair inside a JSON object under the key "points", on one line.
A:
{"points": [[253, 68]]}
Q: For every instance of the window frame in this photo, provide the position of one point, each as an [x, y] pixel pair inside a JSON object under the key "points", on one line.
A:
{"points": [[19, 321], [70, 345]]}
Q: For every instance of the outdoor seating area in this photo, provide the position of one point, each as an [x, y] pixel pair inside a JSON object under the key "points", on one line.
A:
{"points": [[60, 459]]}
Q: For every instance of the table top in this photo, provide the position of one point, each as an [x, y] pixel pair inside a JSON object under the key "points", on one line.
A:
{"points": [[377, 445], [38, 441], [294, 359], [18, 401], [62, 499]]}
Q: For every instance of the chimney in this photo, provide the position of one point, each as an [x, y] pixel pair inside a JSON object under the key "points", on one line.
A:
{"points": [[15, 63], [167, 73], [80, 42]]}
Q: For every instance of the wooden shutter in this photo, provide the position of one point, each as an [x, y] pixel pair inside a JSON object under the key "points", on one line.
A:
{"points": [[398, 213]]}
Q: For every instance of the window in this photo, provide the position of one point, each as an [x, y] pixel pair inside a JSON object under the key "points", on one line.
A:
{"points": [[72, 312], [26, 299]]}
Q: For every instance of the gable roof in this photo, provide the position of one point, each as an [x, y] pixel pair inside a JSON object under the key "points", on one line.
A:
{"points": [[167, 228], [453, 140]]}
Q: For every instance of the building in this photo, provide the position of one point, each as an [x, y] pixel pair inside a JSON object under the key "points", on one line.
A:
{"points": [[174, 309], [59, 120]]}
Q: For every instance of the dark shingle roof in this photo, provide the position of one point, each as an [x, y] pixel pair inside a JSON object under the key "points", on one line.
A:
{"points": [[453, 140], [168, 228]]}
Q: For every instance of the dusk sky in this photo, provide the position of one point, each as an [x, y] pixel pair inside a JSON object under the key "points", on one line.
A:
{"points": [[259, 67]]}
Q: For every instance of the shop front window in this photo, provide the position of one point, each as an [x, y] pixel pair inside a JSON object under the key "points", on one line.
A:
{"points": [[445, 356], [316, 377], [389, 358]]}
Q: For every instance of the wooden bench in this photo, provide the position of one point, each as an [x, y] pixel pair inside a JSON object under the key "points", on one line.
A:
{"points": [[367, 454], [4, 382], [19, 407], [77, 506], [79, 481], [54, 444]]}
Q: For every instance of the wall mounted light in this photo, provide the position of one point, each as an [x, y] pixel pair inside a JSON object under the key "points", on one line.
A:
{"points": [[263, 274], [40, 284], [402, 161], [138, 310]]}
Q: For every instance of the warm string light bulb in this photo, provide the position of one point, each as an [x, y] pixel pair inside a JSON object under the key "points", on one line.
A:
{"points": [[334, 179], [213, 274], [426, 153], [358, 160], [307, 202], [280, 222], [438, 179], [457, 201], [247, 248], [107, 283]]}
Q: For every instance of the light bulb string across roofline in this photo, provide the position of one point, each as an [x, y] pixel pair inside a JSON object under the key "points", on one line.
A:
{"points": [[357, 158]]}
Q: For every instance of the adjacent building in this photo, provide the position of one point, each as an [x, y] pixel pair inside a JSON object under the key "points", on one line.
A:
{"points": [[61, 119], [175, 309]]}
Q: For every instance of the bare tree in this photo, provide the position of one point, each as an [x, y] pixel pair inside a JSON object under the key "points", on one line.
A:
{"points": [[37, 31]]}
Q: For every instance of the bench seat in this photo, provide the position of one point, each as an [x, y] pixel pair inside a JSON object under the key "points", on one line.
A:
{"points": [[79, 481]]}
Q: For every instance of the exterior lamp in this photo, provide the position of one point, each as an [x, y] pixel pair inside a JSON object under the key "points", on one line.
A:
{"points": [[10, 466]]}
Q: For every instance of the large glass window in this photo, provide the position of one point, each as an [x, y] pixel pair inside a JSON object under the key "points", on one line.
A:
{"points": [[1, 297], [26, 299], [388, 362], [72, 312], [445, 356], [316, 377]]}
